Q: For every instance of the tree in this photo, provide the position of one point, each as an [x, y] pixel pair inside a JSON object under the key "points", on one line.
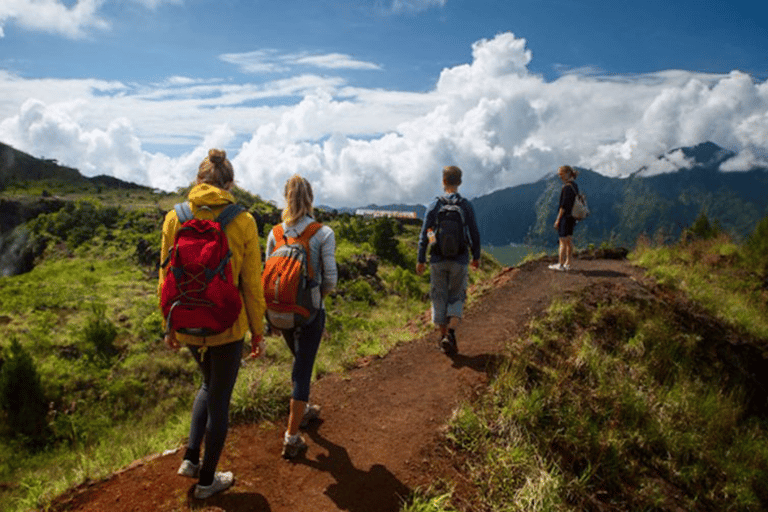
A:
{"points": [[21, 396]]}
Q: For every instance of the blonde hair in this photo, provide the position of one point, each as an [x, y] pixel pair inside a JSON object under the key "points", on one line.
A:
{"points": [[298, 199], [452, 176], [216, 170], [572, 173]]}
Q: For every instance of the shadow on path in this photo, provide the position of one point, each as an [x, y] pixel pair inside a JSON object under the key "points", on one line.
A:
{"points": [[356, 490], [481, 363], [229, 502]]}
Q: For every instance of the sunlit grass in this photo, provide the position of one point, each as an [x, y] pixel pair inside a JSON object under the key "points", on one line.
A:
{"points": [[616, 402]]}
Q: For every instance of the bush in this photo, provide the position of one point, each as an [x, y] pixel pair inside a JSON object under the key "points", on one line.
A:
{"points": [[99, 335], [384, 243], [21, 397], [757, 246]]}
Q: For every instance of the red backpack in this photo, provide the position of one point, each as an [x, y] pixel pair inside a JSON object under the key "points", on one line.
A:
{"points": [[289, 279], [199, 296]]}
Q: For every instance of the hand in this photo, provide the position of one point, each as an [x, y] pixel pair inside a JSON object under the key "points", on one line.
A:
{"points": [[171, 341], [557, 223], [475, 264], [420, 268], [258, 347]]}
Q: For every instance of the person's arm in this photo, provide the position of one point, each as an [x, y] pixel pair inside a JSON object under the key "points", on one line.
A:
{"points": [[328, 262], [170, 226], [421, 254], [474, 234], [250, 284]]}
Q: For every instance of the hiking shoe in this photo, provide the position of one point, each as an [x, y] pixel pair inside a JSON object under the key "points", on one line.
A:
{"points": [[558, 267], [311, 412], [221, 481], [293, 446], [189, 469], [448, 345]]}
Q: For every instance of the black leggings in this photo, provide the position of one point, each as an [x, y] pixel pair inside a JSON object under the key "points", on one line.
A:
{"points": [[210, 412], [303, 344]]}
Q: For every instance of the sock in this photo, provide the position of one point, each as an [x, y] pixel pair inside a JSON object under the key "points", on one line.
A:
{"points": [[206, 478]]}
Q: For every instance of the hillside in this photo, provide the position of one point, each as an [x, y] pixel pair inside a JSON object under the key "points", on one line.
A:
{"points": [[391, 428], [658, 206]]}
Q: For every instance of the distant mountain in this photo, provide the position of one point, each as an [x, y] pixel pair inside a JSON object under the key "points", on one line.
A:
{"points": [[659, 206], [19, 168]]}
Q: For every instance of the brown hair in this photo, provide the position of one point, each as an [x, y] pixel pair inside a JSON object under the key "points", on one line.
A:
{"points": [[452, 176], [572, 173], [216, 170], [298, 199]]}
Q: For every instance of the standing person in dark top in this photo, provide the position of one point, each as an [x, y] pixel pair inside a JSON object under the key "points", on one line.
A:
{"points": [[448, 272], [565, 222]]}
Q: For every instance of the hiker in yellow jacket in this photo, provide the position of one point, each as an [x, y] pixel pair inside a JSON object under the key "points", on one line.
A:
{"points": [[218, 355]]}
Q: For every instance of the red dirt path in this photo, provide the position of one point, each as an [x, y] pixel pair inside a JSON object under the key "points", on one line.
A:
{"points": [[380, 434]]}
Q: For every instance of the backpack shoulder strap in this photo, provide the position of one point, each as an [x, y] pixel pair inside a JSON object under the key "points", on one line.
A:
{"points": [[184, 212], [277, 233], [229, 213], [310, 231]]}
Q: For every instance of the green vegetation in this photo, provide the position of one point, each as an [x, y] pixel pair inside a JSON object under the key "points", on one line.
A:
{"points": [[84, 325], [634, 398]]}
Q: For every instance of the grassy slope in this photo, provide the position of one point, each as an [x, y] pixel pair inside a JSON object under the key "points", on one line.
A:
{"points": [[129, 398], [630, 401]]}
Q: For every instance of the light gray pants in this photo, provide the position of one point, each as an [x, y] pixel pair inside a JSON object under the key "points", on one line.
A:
{"points": [[448, 290]]}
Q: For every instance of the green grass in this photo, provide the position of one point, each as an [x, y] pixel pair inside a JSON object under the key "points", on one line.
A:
{"points": [[635, 404], [88, 316], [716, 273]]}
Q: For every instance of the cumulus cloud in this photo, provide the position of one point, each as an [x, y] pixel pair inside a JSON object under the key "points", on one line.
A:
{"points": [[492, 117], [60, 17]]}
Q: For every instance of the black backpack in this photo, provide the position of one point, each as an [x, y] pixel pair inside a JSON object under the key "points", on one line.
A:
{"points": [[451, 231]]}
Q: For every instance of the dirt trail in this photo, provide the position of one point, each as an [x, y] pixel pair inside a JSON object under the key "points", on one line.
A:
{"points": [[379, 438]]}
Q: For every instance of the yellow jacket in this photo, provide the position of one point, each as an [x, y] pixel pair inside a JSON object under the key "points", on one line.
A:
{"points": [[243, 238]]}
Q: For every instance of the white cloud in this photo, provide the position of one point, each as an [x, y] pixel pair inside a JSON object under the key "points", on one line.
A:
{"points": [[74, 21], [54, 16], [272, 61], [415, 5], [495, 119]]}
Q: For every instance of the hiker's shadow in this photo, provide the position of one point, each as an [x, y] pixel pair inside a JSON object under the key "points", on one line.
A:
{"points": [[229, 501], [481, 363], [355, 490]]}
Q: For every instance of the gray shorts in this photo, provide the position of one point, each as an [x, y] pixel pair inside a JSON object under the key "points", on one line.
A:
{"points": [[448, 290]]}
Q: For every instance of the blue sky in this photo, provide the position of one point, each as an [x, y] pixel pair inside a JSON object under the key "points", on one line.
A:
{"points": [[370, 99]]}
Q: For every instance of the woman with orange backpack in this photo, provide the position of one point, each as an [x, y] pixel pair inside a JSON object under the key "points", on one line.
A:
{"points": [[303, 335]]}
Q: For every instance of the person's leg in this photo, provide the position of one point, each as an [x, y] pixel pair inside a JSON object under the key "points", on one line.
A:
{"points": [[199, 421], [458, 276], [561, 253], [305, 347], [568, 250], [224, 361], [438, 293]]}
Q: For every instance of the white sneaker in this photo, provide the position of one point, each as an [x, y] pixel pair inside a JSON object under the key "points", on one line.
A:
{"points": [[189, 469], [221, 481], [311, 412], [558, 267]]}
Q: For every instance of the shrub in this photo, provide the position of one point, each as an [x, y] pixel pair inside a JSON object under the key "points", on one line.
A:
{"points": [[757, 246], [21, 396], [99, 335]]}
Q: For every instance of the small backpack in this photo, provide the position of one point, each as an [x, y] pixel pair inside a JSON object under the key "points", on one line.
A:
{"points": [[198, 295], [451, 232], [580, 210], [289, 280]]}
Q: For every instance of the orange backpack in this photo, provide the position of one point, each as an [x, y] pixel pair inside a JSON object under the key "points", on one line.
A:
{"points": [[289, 280]]}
